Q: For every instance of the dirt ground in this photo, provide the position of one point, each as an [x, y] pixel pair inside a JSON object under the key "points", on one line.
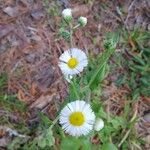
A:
{"points": [[30, 48]]}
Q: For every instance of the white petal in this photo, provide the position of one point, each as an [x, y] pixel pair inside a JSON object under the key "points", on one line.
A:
{"points": [[64, 68], [84, 62], [79, 54], [79, 68], [66, 111], [65, 56]]}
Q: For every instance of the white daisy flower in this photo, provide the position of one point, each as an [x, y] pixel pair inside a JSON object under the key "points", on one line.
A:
{"points": [[73, 61], [82, 21], [99, 124], [77, 118], [67, 14]]}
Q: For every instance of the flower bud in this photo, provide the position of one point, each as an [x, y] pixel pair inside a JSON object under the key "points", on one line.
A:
{"points": [[99, 124], [82, 21], [68, 77], [67, 14], [65, 34]]}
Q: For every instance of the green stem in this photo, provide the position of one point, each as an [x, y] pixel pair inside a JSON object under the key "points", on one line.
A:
{"points": [[75, 91], [71, 35], [54, 122], [78, 25]]}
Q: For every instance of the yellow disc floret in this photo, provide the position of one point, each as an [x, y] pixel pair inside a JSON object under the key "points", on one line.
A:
{"points": [[72, 63], [77, 119]]}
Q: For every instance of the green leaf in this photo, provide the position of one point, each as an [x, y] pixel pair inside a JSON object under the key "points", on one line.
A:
{"points": [[110, 46], [109, 146], [70, 144], [118, 122], [99, 77], [50, 140], [65, 34], [42, 143], [46, 139], [86, 144]]}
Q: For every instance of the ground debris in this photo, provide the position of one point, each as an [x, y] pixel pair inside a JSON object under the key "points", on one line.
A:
{"points": [[42, 101], [81, 10], [11, 11], [37, 14], [5, 29]]}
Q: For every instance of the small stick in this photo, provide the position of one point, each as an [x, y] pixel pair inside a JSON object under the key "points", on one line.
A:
{"points": [[13, 132]]}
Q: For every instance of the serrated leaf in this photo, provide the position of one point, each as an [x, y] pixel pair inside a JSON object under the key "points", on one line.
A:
{"points": [[42, 143], [117, 122], [50, 140]]}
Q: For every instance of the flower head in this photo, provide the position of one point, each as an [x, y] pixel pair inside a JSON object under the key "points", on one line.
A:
{"points": [[73, 61], [67, 14], [99, 124], [77, 118], [82, 21]]}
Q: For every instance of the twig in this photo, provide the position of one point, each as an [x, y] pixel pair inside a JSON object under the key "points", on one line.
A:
{"points": [[13, 132], [129, 10], [124, 138]]}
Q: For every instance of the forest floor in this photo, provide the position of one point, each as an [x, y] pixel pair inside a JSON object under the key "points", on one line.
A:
{"points": [[31, 81]]}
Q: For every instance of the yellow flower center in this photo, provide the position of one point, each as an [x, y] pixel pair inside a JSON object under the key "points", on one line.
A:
{"points": [[77, 119], [72, 63]]}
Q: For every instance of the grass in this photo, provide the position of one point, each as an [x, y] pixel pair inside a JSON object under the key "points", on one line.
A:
{"points": [[135, 60]]}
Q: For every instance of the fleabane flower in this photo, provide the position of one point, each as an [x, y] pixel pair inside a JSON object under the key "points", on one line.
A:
{"points": [[77, 118], [99, 124], [72, 61], [82, 21], [67, 14]]}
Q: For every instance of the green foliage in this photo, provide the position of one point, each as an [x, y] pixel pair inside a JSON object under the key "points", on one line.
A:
{"points": [[46, 139], [136, 61], [52, 8], [44, 120], [43, 138], [10, 103], [70, 143], [65, 34], [77, 143], [109, 146], [3, 82], [95, 73], [100, 73]]}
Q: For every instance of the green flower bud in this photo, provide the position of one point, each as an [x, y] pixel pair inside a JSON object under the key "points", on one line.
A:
{"points": [[82, 21], [65, 34], [99, 124]]}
